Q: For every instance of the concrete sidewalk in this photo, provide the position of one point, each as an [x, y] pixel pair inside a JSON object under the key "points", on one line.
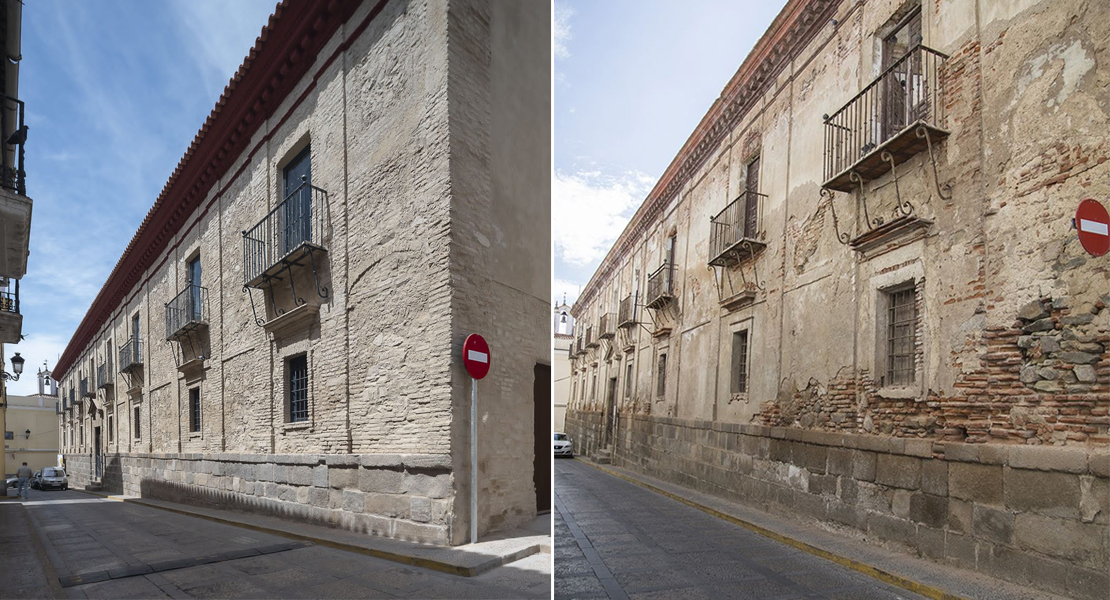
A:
{"points": [[25, 571], [892, 566], [470, 560]]}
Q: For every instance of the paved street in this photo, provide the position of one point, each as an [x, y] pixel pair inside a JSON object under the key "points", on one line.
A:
{"points": [[152, 553], [618, 540]]}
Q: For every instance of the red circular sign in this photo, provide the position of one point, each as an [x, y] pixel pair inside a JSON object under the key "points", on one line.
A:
{"points": [[1093, 223], [476, 356]]}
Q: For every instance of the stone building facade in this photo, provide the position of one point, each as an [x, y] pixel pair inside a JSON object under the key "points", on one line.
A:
{"points": [[284, 331], [856, 293]]}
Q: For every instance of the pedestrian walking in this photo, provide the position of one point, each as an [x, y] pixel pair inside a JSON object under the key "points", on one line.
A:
{"points": [[24, 475]]}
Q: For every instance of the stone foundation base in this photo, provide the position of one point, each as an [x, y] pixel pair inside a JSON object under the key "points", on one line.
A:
{"points": [[405, 497]]}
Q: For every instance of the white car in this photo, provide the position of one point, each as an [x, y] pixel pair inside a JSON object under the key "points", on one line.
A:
{"points": [[563, 445]]}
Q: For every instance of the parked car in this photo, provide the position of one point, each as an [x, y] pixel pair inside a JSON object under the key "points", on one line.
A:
{"points": [[563, 446], [50, 478]]}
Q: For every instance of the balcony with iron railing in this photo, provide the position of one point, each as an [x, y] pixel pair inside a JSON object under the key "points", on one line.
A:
{"points": [[86, 391], [626, 314], [15, 206], [892, 119], [11, 320], [580, 345], [591, 337], [187, 312], [734, 232], [285, 236], [104, 376], [660, 288], [607, 326], [130, 355]]}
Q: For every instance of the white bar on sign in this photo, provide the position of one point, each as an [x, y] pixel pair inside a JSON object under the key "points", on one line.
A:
{"points": [[1094, 227], [476, 356]]}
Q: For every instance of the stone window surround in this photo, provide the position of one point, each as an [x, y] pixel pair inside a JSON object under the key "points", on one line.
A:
{"points": [[292, 350], [199, 433], [741, 325], [661, 373], [911, 274]]}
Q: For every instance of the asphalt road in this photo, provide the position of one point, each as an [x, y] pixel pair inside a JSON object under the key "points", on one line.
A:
{"points": [[614, 539], [154, 553]]}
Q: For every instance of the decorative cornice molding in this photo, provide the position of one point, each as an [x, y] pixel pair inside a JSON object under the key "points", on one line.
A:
{"points": [[794, 27], [282, 54]]}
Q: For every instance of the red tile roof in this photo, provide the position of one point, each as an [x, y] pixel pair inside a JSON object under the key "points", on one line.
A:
{"points": [[281, 55]]}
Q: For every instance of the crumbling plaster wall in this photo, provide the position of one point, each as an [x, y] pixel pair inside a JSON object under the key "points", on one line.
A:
{"points": [[1025, 100]]}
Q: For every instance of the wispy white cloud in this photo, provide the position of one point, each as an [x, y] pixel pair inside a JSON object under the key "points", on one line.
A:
{"points": [[590, 210], [218, 30], [561, 30], [561, 288], [35, 349]]}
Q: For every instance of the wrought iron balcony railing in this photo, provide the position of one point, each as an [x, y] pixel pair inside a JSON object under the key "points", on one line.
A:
{"points": [[9, 297], [896, 116], [292, 229], [626, 315], [105, 377], [734, 232], [591, 337], [660, 288], [580, 345], [86, 391], [606, 326], [13, 134], [187, 311], [130, 355]]}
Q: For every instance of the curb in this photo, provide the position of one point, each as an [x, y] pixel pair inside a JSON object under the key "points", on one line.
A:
{"points": [[884, 576], [416, 561]]}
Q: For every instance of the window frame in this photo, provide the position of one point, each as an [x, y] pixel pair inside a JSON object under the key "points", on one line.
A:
{"points": [[136, 423], [661, 375], [291, 417], [740, 366], [195, 423]]}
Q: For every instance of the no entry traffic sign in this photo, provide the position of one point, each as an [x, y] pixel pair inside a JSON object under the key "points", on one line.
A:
{"points": [[1093, 223], [476, 356]]}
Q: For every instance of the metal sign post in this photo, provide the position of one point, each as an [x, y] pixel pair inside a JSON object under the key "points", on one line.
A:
{"points": [[476, 359], [473, 460]]}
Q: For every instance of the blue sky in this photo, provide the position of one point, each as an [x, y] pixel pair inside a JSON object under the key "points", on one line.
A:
{"points": [[115, 92], [632, 80]]}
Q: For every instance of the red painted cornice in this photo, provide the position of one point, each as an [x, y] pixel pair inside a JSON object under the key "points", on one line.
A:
{"points": [[281, 55], [794, 27]]}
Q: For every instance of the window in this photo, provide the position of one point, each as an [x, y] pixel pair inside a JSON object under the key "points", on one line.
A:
{"points": [[135, 426], [194, 409], [661, 376], [298, 388], [593, 386], [901, 330], [111, 430], [193, 273], [751, 200], [739, 383], [297, 214], [628, 380]]}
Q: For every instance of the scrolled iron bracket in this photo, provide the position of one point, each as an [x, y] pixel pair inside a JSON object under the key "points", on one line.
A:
{"points": [[257, 321], [871, 223], [922, 132], [312, 257], [904, 207], [759, 285], [843, 238]]}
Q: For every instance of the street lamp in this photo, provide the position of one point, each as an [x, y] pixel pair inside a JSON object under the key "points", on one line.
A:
{"points": [[27, 434], [17, 368]]}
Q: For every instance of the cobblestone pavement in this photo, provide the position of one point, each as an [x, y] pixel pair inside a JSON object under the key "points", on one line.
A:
{"points": [[617, 540], [151, 553]]}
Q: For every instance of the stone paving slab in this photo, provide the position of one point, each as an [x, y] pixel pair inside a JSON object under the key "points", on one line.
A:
{"points": [[936, 579], [470, 560]]}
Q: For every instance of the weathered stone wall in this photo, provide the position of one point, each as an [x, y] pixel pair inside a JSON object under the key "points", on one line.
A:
{"points": [[1033, 515], [1011, 341], [408, 270], [400, 496]]}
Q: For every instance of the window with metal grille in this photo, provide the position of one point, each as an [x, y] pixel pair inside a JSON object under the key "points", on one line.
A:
{"points": [[628, 380], [111, 430], [194, 409], [593, 387], [298, 388], [902, 320], [739, 362], [661, 377], [138, 432]]}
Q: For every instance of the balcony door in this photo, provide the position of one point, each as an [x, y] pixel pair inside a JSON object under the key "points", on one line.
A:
{"points": [[297, 210], [902, 84], [193, 273]]}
